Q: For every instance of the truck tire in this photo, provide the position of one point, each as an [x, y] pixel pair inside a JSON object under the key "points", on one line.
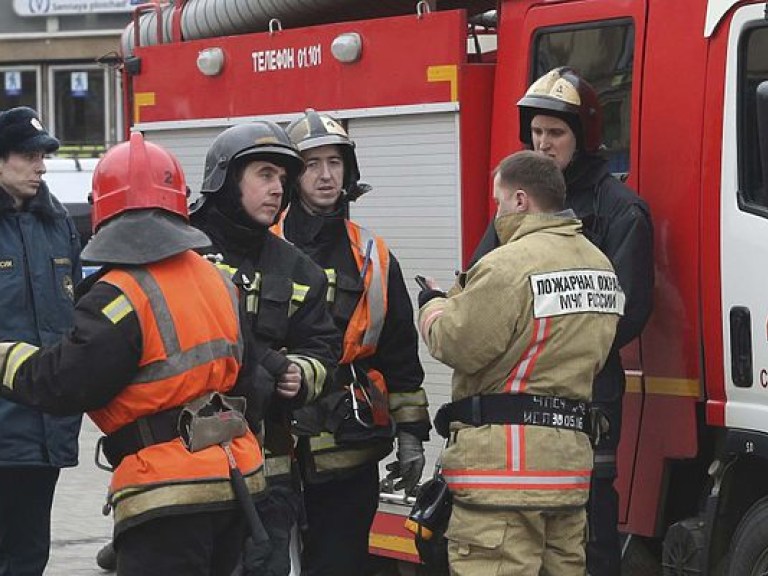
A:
{"points": [[749, 547], [683, 549]]}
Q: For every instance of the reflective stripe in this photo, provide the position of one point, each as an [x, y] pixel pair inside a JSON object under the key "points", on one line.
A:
{"points": [[409, 406], [603, 459], [324, 441], [252, 288], [160, 310], [330, 295], [501, 480], [17, 354], [136, 500], [118, 309], [518, 376], [406, 399], [276, 465], [314, 374], [375, 288], [429, 318], [297, 299], [178, 362]]}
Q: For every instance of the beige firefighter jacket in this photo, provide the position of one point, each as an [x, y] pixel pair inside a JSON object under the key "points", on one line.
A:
{"points": [[536, 315]]}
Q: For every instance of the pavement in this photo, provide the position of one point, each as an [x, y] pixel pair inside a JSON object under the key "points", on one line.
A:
{"points": [[78, 528]]}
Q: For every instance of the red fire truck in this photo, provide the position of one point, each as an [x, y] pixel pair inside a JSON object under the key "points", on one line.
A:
{"points": [[428, 92]]}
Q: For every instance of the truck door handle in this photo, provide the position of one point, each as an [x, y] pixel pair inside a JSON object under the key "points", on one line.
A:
{"points": [[741, 347]]}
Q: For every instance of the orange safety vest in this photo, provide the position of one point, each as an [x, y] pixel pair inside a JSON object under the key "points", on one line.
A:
{"points": [[191, 345], [370, 252], [361, 338]]}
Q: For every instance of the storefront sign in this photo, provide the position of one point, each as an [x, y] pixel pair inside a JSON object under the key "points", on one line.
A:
{"points": [[65, 7]]}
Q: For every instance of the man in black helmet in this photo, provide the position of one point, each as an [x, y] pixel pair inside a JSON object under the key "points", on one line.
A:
{"points": [[560, 116], [248, 170], [379, 374]]}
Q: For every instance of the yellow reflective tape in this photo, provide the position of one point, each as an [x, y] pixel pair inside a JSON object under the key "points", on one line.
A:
{"points": [[314, 374], [407, 399], [324, 441], [118, 309], [17, 355], [330, 295], [226, 268], [300, 292], [686, 387]]}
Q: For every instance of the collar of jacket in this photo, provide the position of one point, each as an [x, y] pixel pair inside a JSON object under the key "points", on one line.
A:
{"points": [[42, 203], [304, 228], [233, 237], [511, 227], [583, 173]]}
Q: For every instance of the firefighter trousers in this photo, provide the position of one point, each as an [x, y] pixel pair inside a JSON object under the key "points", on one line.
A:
{"points": [[516, 542], [339, 517]]}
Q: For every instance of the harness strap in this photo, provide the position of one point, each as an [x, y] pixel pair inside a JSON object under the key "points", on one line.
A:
{"points": [[524, 409]]}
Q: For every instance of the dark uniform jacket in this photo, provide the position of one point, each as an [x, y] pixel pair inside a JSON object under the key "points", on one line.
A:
{"points": [[39, 266], [283, 317], [325, 240]]}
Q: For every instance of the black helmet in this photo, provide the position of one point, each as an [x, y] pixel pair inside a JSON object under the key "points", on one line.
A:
{"points": [[564, 94], [314, 130], [259, 140]]}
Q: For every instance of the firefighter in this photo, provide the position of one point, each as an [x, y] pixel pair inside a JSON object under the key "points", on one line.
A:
{"points": [[518, 459], [376, 392], [248, 169], [560, 116], [155, 348]]}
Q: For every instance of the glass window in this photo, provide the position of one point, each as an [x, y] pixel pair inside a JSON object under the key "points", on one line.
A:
{"points": [[603, 54], [79, 108], [19, 88], [753, 71]]}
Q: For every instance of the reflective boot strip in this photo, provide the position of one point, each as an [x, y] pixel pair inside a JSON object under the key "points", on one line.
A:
{"points": [[409, 406], [12, 356], [313, 373]]}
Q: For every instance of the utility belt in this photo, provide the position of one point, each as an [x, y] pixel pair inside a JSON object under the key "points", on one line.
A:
{"points": [[524, 409], [205, 421]]}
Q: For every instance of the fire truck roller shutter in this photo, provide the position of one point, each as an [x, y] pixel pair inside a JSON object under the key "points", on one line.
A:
{"points": [[412, 164]]}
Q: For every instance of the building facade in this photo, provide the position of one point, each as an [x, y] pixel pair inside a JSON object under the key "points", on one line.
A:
{"points": [[60, 57]]}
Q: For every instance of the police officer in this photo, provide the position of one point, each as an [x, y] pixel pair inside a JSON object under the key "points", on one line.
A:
{"points": [[379, 375], [519, 459], [248, 169], [156, 342], [560, 116]]}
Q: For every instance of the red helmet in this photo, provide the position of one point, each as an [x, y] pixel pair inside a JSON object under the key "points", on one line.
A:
{"points": [[137, 175], [564, 94]]}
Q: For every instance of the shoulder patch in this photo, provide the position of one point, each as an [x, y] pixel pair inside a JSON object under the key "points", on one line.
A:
{"points": [[118, 309]]}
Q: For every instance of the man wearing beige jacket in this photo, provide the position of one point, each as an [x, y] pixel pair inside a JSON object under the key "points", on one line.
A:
{"points": [[525, 331]]}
